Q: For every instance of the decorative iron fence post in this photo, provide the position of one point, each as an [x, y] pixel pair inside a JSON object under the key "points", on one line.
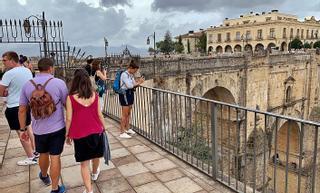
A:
{"points": [[44, 23], [214, 140]]}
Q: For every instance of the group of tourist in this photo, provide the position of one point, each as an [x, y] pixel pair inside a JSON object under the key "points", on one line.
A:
{"points": [[41, 101]]}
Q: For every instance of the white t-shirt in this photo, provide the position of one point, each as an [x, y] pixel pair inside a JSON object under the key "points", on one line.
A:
{"points": [[15, 79], [127, 80]]}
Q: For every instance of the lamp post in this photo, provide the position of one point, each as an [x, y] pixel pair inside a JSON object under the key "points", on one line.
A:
{"points": [[27, 29], [106, 44], [154, 43]]}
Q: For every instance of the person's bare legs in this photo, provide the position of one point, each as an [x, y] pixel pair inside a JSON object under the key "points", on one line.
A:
{"points": [[44, 163], [128, 118], [27, 147], [95, 165], [30, 133], [124, 118], [55, 169], [85, 173]]}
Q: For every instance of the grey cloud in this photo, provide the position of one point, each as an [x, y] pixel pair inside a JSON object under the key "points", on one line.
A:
{"points": [[209, 5], [110, 3], [83, 25]]}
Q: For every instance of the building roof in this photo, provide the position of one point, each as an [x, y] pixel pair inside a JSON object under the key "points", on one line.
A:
{"points": [[191, 34]]}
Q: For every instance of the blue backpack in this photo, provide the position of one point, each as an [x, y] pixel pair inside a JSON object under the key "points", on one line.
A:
{"points": [[116, 84]]}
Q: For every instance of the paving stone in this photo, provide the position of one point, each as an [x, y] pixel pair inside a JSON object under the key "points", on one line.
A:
{"points": [[124, 160], [121, 152], [116, 145], [104, 166], [160, 165], [81, 189], [203, 184], [169, 175], [115, 185], [148, 156], [153, 187], [16, 152], [139, 148], [132, 169], [37, 186], [130, 142], [68, 161], [179, 185], [201, 191], [10, 166], [141, 179], [109, 174], [112, 140], [71, 176], [68, 150], [13, 143], [14, 179], [21, 188]]}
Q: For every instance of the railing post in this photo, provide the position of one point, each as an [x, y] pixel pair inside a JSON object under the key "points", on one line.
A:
{"points": [[214, 140]]}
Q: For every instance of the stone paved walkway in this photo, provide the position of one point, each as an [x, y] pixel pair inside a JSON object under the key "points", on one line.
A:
{"points": [[136, 166]]}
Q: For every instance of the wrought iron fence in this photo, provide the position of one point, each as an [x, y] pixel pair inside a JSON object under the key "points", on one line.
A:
{"points": [[48, 34], [245, 149]]}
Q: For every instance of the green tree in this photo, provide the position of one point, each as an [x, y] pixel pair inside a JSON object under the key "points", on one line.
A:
{"points": [[179, 46], [307, 45], [316, 44], [296, 43], [202, 43], [188, 46], [167, 45]]}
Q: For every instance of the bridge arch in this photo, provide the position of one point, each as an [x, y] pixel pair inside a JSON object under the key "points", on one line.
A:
{"points": [[219, 93], [291, 130]]}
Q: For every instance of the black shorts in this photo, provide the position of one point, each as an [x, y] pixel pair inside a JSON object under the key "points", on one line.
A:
{"points": [[51, 143], [127, 99], [13, 118], [89, 147]]}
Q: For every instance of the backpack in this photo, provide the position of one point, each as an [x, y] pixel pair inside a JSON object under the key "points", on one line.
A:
{"points": [[99, 86], [41, 103], [116, 84]]}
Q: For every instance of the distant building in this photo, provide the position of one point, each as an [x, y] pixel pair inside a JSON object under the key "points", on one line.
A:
{"points": [[193, 38], [255, 32]]}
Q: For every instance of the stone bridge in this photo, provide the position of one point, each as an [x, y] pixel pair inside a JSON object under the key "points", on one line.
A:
{"points": [[286, 84]]}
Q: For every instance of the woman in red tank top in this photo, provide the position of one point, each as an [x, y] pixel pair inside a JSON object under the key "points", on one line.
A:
{"points": [[85, 126]]}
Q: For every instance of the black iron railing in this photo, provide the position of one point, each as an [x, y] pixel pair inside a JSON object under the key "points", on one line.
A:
{"points": [[247, 150]]}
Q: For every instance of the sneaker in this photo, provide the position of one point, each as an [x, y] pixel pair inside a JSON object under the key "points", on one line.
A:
{"points": [[61, 189], [27, 161], [125, 136], [36, 154], [130, 131], [95, 176], [46, 180]]}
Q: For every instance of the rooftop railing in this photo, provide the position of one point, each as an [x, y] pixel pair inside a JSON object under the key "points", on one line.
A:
{"points": [[245, 149]]}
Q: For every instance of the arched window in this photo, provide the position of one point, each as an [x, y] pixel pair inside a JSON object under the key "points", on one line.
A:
{"points": [[288, 94]]}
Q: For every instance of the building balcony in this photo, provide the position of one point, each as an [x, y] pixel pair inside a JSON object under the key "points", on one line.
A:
{"points": [[259, 38], [228, 40]]}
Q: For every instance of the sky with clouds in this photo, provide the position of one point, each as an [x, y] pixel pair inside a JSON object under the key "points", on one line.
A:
{"points": [[86, 22]]}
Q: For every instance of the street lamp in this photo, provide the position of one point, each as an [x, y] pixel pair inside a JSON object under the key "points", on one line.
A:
{"points": [[154, 43], [106, 44], [27, 29]]}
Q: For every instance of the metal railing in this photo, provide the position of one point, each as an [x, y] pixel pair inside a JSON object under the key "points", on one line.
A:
{"points": [[245, 149]]}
